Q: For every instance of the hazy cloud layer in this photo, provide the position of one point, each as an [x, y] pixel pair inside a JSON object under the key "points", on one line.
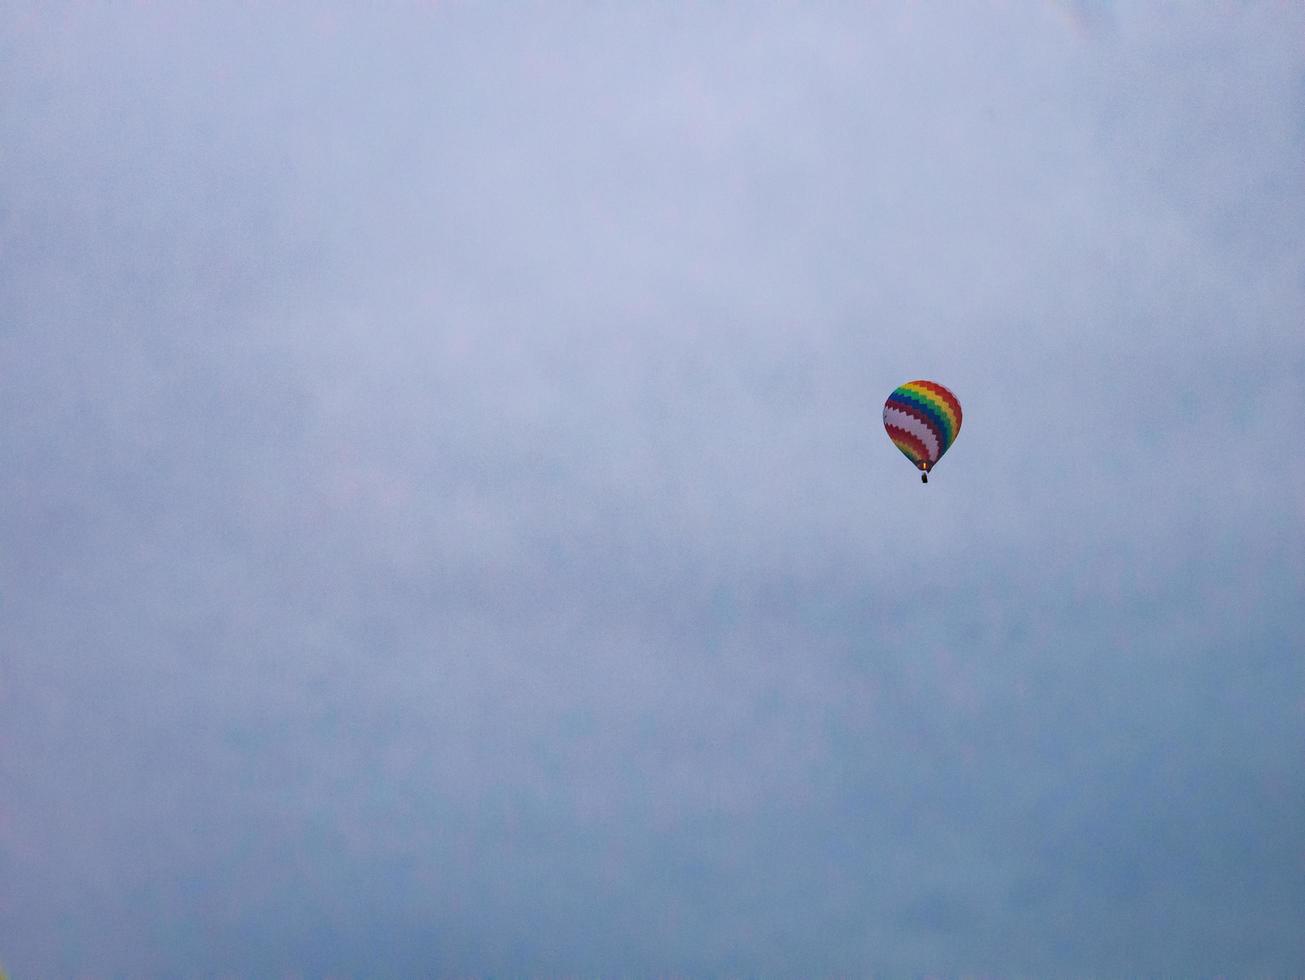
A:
{"points": [[447, 527]]}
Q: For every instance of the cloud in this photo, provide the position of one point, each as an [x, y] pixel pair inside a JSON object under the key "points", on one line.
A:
{"points": [[447, 529]]}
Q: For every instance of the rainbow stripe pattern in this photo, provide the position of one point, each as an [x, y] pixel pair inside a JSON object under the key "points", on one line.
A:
{"points": [[922, 418]]}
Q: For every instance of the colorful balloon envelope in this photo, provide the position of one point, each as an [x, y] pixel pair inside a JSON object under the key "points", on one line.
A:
{"points": [[922, 418]]}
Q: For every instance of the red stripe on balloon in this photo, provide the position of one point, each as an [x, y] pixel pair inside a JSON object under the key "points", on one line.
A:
{"points": [[923, 419], [898, 434], [946, 396]]}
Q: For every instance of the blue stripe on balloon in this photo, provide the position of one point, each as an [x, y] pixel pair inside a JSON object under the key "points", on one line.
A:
{"points": [[907, 399], [935, 414]]}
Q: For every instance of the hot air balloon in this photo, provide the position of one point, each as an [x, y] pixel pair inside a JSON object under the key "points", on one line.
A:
{"points": [[922, 418]]}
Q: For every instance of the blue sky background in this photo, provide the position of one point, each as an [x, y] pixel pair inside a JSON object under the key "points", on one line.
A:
{"points": [[446, 524]]}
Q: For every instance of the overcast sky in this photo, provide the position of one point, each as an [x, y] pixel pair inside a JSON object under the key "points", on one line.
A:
{"points": [[446, 525]]}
